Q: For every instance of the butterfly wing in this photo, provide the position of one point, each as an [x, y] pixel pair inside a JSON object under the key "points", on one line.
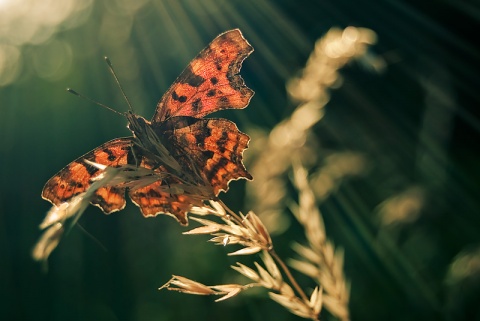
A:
{"points": [[160, 198], [210, 82], [211, 147], [75, 178]]}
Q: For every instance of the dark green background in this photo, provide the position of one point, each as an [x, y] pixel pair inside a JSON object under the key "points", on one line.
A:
{"points": [[399, 273]]}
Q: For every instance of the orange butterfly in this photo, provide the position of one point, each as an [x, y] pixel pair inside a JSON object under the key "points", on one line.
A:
{"points": [[178, 144]]}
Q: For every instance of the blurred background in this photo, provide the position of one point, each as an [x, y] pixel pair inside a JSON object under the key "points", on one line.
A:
{"points": [[392, 151]]}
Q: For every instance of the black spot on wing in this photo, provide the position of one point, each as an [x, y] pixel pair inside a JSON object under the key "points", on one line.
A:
{"points": [[111, 157], [235, 152], [218, 63], [150, 193], [197, 105], [222, 141], [188, 77], [223, 102], [208, 154], [75, 184], [103, 202], [181, 99], [222, 162]]}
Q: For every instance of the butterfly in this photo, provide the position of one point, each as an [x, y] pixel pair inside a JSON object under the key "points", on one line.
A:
{"points": [[194, 157]]}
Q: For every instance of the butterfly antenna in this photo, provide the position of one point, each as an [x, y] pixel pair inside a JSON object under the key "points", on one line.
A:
{"points": [[109, 63], [93, 101]]}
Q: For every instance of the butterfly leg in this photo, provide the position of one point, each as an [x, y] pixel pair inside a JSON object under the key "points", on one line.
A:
{"points": [[134, 154]]}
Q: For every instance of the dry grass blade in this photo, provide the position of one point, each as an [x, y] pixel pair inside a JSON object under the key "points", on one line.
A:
{"points": [[185, 285], [246, 271], [271, 266], [208, 227], [306, 268], [188, 286], [229, 295], [294, 305], [247, 251], [316, 300], [230, 290], [266, 279], [48, 242], [307, 253]]}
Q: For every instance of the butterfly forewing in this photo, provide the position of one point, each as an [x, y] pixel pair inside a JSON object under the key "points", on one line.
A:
{"points": [[210, 82], [76, 177]]}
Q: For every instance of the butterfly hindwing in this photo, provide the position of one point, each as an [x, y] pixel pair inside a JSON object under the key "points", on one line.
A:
{"points": [[214, 147], [159, 198], [210, 82]]}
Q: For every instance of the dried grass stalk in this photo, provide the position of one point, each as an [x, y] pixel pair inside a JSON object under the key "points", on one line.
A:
{"points": [[272, 151], [319, 259]]}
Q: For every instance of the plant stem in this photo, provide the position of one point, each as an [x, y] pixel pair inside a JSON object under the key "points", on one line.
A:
{"points": [[289, 275], [232, 213]]}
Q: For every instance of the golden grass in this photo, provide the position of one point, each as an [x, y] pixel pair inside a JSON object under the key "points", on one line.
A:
{"points": [[292, 138], [228, 228]]}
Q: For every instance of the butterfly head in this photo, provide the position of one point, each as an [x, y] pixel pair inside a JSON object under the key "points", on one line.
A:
{"points": [[137, 124]]}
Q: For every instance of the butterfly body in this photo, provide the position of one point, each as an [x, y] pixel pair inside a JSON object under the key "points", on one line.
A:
{"points": [[148, 143], [195, 157]]}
